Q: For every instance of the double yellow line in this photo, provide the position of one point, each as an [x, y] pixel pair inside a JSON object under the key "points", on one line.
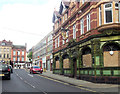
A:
{"points": [[80, 86]]}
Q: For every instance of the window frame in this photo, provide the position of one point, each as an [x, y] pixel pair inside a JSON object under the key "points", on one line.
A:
{"points": [[23, 52], [58, 41], [18, 52], [82, 26], [14, 52], [100, 15], [88, 22], [74, 31], [110, 8]]}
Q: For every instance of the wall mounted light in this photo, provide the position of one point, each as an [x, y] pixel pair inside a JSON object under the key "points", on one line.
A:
{"points": [[111, 53]]}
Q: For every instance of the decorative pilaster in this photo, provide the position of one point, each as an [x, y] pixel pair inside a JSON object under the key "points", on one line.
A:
{"points": [[54, 65], [96, 54], [61, 64], [70, 60]]}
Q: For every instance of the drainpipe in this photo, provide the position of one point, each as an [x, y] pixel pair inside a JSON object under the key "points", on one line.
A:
{"points": [[119, 10]]}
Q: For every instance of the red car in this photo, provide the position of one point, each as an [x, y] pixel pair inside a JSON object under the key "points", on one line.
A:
{"points": [[36, 69]]}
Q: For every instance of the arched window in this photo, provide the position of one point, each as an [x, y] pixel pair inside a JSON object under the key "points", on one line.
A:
{"points": [[111, 47], [86, 51]]}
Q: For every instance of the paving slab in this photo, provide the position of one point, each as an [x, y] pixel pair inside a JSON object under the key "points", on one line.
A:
{"points": [[78, 82]]}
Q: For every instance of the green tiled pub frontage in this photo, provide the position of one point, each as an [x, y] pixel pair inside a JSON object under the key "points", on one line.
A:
{"points": [[95, 59]]}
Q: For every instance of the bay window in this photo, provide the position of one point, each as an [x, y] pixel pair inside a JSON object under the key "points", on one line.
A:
{"points": [[100, 16], [108, 13]]}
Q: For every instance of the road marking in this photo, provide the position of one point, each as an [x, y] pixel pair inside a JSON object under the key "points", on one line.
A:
{"points": [[80, 86], [85, 89], [17, 74], [21, 78], [30, 75]]}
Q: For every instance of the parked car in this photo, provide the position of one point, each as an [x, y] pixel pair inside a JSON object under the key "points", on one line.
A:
{"points": [[11, 69], [36, 69], [5, 71]]}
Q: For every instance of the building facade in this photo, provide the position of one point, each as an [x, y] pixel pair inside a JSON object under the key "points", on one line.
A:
{"points": [[42, 52], [5, 51], [18, 55], [49, 50], [86, 40]]}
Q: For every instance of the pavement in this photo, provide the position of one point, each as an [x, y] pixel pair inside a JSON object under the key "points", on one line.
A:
{"points": [[80, 83], [77, 82]]}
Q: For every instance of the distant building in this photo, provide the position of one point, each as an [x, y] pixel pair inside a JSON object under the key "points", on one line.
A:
{"points": [[42, 52], [49, 51], [18, 55], [5, 51]]}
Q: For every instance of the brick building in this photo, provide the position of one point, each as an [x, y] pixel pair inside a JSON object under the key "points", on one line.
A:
{"points": [[18, 55], [86, 40]]}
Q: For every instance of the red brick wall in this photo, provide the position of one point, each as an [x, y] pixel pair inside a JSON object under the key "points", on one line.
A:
{"points": [[18, 55]]}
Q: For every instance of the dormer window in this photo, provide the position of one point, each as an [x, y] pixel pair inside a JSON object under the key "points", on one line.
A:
{"points": [[3, 44], [83, 1], [116, 5]]}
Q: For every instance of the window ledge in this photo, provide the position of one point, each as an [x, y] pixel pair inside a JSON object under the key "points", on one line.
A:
{"points": [[104, 27]]}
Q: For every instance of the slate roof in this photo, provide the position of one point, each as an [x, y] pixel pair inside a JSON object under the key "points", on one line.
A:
{"points": [[7, 43], [19, 47]]}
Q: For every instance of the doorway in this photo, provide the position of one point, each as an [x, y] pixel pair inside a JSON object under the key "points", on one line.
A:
{"points": [[74, 67]]}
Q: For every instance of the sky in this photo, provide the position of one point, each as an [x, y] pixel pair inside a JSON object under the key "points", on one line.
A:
{"points": [[26, 21]]}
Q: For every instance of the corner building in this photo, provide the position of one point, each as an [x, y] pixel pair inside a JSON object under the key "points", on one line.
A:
{"points": [[86, 40]]}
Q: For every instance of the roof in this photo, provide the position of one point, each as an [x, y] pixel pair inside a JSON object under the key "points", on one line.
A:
{"points": [[7, 43], [55, 14], [19, 47]]}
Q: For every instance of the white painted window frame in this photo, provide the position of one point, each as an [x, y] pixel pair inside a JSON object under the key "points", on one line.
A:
{"points": [[88, 22], [74, 31], [82, 26], [111, 8], [58, 41], [100, 16]]}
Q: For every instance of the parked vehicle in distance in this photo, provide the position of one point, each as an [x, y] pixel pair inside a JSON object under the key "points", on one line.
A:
{"points": [[36, 69], [5, 71], [11, 69]]}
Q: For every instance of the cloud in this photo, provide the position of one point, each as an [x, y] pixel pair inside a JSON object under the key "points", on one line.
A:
{"points": [[26, 23]]}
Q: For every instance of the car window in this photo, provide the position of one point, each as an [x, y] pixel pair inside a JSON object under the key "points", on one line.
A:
{"points": [[36, 67], [3, 66]]}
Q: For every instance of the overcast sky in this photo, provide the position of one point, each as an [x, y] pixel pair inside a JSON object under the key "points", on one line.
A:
{"points": [[26, 21]]}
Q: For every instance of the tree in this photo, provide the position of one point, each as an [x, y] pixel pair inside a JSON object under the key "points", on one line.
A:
{"points": [[30, 55]]}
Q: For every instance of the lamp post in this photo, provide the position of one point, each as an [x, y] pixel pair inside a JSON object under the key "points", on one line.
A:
{"points": [[17, 59]]}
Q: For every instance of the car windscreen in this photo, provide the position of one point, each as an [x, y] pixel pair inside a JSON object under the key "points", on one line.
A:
{"points": [[3, 66], [36, 67]]}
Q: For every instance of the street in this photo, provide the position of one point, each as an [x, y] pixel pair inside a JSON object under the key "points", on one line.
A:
{"points": [[22, 81]]}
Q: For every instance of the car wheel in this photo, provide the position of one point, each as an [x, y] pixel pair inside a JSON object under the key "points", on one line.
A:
{"points": [[8, 78]]}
